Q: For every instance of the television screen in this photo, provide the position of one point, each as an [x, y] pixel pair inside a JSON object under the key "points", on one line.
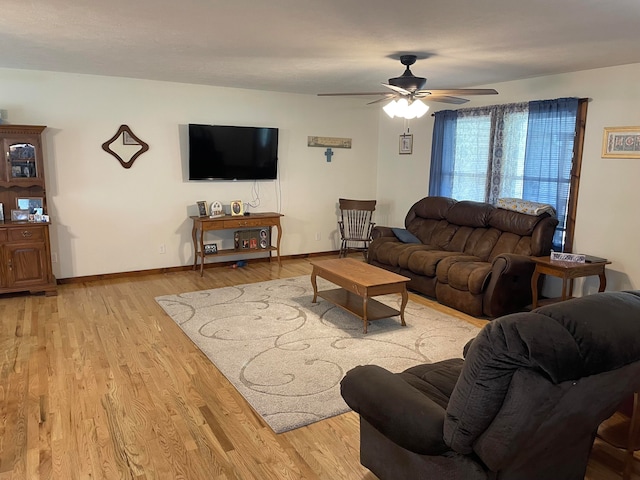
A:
{"points": [[220, 152]]}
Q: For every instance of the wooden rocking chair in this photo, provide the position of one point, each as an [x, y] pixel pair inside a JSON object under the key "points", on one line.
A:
{"points": [[355, 225]]}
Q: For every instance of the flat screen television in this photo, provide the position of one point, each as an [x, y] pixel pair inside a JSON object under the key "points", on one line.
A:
{"points": [[221, 152]]}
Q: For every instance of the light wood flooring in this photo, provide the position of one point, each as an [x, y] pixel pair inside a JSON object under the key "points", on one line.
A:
{"points": [[99, 383]]}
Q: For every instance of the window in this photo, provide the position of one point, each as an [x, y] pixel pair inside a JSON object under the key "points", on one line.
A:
{"points": [[523, 150]]}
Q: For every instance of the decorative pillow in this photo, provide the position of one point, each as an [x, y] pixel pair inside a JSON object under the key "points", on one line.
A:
{"points": [[405, 236]]}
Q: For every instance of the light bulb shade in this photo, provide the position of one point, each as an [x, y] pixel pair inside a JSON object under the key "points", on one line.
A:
{"points": [[390, 108], [418, 109]]}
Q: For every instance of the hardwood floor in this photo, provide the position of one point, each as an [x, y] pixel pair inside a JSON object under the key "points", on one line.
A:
{"points": [[99, 383]]}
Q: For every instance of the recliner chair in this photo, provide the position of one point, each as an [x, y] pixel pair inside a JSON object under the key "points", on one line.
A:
{"points": [[525, 404]]}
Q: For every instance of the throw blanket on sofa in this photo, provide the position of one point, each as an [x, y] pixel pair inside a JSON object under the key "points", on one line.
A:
{"points": [[526, 206]]}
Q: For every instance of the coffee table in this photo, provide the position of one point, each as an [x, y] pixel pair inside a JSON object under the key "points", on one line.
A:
{"points": [[359, 282]]}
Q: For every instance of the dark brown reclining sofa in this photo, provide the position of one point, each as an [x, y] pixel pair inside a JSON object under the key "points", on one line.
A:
{"points": [[471, 256]]}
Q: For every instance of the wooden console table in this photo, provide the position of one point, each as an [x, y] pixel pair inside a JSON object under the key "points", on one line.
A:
{"points": [[567, 271], [229, 222]]}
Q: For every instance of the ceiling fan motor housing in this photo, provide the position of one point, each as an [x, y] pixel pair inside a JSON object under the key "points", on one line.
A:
{"points": [[408, 80]]}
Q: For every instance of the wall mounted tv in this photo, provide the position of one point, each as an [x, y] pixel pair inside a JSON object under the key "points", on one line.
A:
{"points": [[221, 152]]}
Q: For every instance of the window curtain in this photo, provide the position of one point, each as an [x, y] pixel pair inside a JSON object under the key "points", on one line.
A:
{"points": [[443, 148], [549, 157], [521, 150]]}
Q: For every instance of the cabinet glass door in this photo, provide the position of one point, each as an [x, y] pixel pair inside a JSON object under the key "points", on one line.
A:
{"points": [[22, 160]]}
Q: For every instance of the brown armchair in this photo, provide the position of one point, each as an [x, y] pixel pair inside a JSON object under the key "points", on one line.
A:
{"points": [[525, 404]]}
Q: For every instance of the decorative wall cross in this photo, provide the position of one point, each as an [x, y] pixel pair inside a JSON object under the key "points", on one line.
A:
{"points": [[328, 153]]}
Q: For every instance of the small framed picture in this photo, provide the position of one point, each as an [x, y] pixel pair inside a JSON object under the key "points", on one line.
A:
{"points": [[406, 144], [237, 208], [33, 204], [210, 248], [202, 208], [19, 215], [1, 212]]}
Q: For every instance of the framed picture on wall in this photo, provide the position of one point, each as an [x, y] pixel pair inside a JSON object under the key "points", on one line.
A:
{"points": [[621, 142], [406, 144]]}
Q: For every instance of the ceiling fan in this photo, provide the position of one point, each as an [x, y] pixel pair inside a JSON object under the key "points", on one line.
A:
{"points": [[410, 88]]}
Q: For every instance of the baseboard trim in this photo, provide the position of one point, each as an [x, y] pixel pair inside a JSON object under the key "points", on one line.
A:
{"points": [[183, 268]]}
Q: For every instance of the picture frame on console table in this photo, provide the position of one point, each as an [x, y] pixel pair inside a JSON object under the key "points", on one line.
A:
{"points": [[621, 142], [202, 208], [237, 208]]}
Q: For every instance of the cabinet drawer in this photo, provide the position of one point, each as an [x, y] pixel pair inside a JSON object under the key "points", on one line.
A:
{"points": [[3, 235], [250, 222], [26, 233]]}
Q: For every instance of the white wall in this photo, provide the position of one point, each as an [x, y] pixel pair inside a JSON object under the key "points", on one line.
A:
{"points": [[608, 222], [110, 219]]}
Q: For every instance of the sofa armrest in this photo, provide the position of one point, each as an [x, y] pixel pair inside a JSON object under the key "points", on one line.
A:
{"points": [[380, 231], [396, 409], [509, 288]]}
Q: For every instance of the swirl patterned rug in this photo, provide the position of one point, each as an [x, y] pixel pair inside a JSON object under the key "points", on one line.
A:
{"points": [[286, 355]]}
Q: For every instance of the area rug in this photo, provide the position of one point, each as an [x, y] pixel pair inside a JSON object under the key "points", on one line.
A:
{"points": [[287, 355]]}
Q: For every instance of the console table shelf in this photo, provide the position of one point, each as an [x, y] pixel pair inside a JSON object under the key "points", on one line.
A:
{"points": [[238, 251], [230, 222]]}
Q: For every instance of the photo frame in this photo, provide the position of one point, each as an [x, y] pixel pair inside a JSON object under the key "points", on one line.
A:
{"points": [[406, 144], [33, 204], [621, 142], [202, 208], [237, 208], [210, 248], [19, 215]]}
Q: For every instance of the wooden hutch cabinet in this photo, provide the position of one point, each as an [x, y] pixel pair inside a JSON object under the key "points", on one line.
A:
{"points": [[25, 251]]}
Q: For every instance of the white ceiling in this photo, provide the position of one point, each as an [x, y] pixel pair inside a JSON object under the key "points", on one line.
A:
{"points": [[318, 46]]}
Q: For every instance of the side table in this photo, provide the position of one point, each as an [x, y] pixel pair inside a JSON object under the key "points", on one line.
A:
{"points": [[567, 271]]}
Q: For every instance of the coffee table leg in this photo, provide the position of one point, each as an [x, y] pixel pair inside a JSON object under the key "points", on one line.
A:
{"points": [[405, 299], [314, 284], [364, 313]]}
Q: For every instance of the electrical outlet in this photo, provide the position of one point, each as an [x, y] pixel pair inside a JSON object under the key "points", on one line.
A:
{"points": [[54, 257], [318, 236], [162, 249]]}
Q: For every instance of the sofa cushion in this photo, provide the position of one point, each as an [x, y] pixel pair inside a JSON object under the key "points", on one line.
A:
{"points": [[436, 380], [469, 276], [433, 232], [471, 214], [429, 207], [515, 222], [405, 236], [424, 262], [442, 270]]}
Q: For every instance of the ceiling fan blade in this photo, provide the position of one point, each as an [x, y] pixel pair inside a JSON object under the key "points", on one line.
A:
{"points": [[384, 99], [397, 89], [460, 91], [351, 94], [444, 99]]}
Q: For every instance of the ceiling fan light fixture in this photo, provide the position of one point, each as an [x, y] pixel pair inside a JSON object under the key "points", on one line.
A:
{"points": [[403, 109]]}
